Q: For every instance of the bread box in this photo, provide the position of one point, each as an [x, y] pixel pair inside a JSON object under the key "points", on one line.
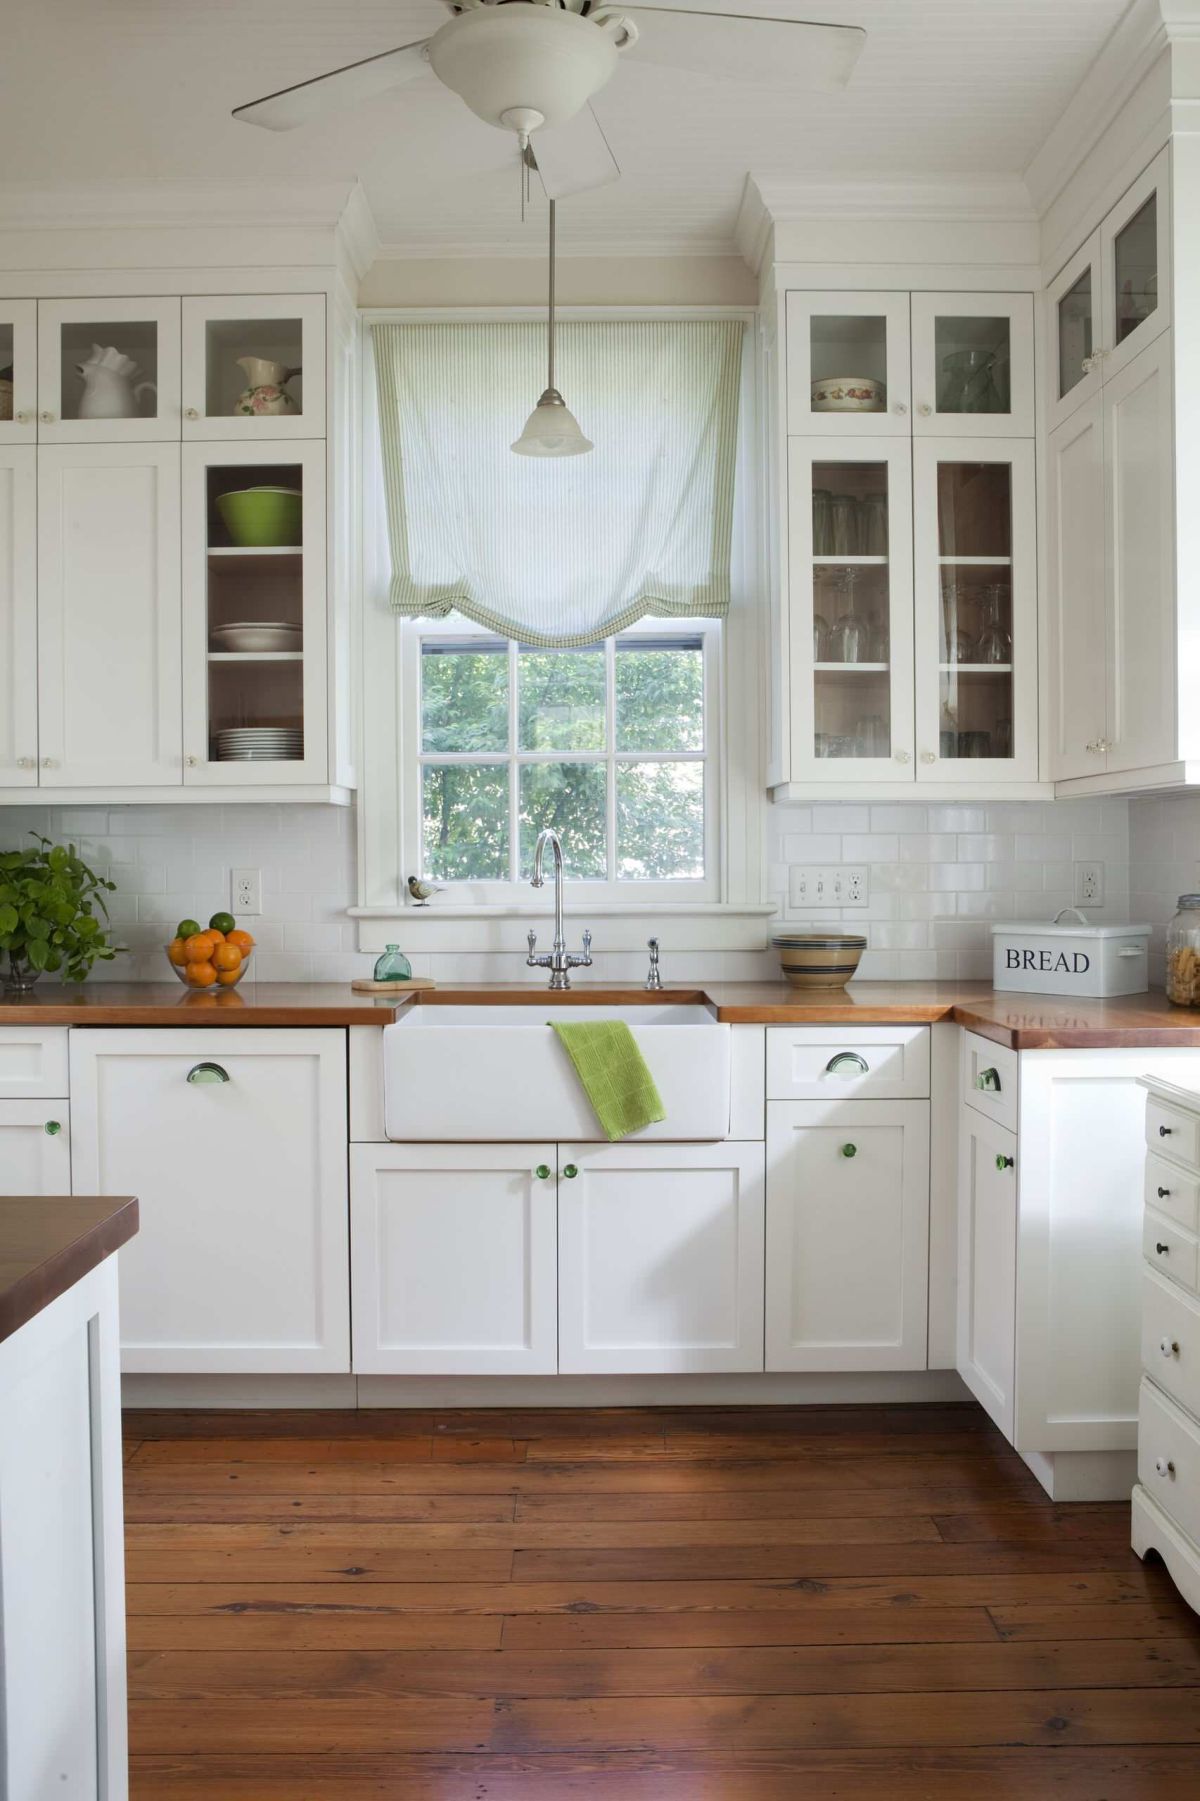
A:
{"points": [[1071, 956]]}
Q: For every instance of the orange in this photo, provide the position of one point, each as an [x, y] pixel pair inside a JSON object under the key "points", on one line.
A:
{"points": [[212, 932], [227, 977], [243, 940], [227, 956], [176, 951], [201, 975], [196, 949]]}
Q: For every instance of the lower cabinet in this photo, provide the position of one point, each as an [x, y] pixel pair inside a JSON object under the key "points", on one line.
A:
{"points": [[660, 1250], [987, 1264], [35, 1147], [454, 1259], [234, 1142], [847, 1235]]}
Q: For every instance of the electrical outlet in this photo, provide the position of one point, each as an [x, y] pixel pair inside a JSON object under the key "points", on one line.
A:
{"points": [[245, 891], [824, 886], [1089, 884]]}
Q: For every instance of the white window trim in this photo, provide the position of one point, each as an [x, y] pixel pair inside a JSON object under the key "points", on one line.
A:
{"points": [[732, 913]]}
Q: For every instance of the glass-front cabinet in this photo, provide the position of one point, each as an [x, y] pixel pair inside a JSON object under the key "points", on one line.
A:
{"points": [[1113, 296], [108, 370], [254, 656], [18, 371], [975, 611], [254, 366], [848, 364], [850, 549], [972, 361]]}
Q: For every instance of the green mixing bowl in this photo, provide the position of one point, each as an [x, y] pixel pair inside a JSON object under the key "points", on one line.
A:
{"points": [[262, 518]]}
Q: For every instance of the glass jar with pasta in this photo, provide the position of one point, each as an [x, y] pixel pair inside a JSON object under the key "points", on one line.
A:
{"points": [[1183, 953]]}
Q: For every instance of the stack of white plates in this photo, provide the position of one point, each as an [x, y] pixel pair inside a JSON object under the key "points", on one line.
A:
{"points": [[260, 744], [261, 635]]}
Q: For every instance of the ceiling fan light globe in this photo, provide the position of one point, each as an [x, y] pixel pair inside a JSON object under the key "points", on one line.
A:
{"points": [[552, 430], [524, 58]]}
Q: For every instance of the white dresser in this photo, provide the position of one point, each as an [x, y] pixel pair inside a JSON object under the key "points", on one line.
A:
{"points": [[1166, 1501]]}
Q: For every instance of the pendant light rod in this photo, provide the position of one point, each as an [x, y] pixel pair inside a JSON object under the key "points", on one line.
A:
{"points": [[550, 330]]}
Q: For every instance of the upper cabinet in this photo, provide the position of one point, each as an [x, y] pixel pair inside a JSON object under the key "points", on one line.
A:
{"points": [[848, 365], [108, 371], [254, 367], [972, 365], [18, 616], [18, 371]]}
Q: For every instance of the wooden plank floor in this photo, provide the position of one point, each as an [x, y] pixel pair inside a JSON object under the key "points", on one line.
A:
{"points": [[783, 1604]]}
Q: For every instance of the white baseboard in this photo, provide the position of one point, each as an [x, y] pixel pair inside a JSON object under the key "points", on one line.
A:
{"points": [[1084, 1475]]}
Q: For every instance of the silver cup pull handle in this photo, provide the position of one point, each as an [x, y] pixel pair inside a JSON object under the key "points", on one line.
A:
{"points": [[207, 1072]]}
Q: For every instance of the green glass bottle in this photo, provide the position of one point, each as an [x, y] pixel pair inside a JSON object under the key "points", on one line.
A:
{"points": [[393, 966]]}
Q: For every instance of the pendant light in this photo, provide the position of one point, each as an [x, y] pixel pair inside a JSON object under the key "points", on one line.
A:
{"points": [[551, 430]]}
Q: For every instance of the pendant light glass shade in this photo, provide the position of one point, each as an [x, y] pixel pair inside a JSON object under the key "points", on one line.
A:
{"points": [[551, 430]]}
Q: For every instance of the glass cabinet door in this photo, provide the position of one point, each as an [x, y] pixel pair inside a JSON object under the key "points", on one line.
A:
{"points": [[254, 367], [254, 642], [1134, 242], [973, 365], [848, 364], [108, 370], [976, 614], [851, 611], [18, 371]]}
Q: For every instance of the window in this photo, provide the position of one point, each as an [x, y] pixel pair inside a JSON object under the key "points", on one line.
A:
{"points": [[612, 745]]}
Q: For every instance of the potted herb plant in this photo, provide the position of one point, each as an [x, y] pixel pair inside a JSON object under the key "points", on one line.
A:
{"points": [[49, 902]]}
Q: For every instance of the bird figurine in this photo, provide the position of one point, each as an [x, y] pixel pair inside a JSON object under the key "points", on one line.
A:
{"points": [[422, 892]]}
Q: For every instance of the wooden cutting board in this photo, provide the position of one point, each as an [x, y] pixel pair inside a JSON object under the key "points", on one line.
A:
{"points": [[365, 986]]}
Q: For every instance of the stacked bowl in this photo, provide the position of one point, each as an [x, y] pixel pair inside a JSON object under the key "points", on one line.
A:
{"points": [[819, 959]]}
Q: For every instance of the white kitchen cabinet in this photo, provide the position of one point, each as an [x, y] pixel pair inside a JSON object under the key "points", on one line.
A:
{"points": [[35, 1147], [18, 614], [847, 1235], [1077, 565], [33, 1062], [972, 365], [227, 690], [660, 1255], [454, 1259], [18, 366], [108, 615], [234, 1142], [139, 340], [975, 600], [836, 337], [987, 1264], [823, 1063], [274, 333]]}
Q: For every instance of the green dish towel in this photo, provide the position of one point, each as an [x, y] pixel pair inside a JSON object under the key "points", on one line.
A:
{"points": [[614, 1074]]}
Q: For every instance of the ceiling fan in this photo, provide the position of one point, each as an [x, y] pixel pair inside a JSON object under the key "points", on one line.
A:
{"points": [[532, 66]]}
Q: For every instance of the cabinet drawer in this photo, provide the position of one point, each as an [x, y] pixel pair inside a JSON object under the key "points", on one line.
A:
{"points": [[989, 1079], [817, 1063], [33, 1062], [1169, 1249], [1173, 1133], [1171, 1340], [1169, 1458], [35, 1147], [1172, 1191]]}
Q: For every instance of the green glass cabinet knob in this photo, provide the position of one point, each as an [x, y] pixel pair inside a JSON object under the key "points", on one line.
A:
{"points": [[542, 1171], [570, 1171], [53, 1128], [849, 1150]]}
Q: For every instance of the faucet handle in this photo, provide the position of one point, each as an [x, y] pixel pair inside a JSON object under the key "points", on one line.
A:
{"points": [[587, 945], [654, 979], [531, 937]]}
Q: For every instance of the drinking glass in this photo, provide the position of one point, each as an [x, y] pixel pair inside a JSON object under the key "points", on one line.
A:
{"points": [[995, 641], [873, 525], [848, 638], [843, 509], [822, 523]]}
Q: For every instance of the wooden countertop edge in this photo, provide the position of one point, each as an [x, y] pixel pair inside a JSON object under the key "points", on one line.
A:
{"points": [[105, 1224]]}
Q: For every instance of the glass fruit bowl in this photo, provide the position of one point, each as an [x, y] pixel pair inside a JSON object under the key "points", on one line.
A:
{"points": [[214, 974]]}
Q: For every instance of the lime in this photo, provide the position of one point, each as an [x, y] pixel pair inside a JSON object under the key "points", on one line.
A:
{"points": [[222, 922], [187, 928]]}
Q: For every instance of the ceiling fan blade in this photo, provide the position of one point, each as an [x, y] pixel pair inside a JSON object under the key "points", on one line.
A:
{"points": [[573, 157], [782, 52], [344, 87]]}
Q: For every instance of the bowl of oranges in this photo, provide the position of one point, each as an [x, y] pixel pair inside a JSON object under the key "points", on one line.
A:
{"points": [[216, 956]]}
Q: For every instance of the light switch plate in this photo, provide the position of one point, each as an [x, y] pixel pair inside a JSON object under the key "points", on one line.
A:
{"points": [[821, 886]]}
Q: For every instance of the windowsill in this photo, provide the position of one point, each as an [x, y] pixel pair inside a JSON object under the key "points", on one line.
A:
{"points": [[693, 925]]}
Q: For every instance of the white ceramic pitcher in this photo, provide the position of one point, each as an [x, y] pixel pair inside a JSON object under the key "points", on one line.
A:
{"points": [[109, 389]]}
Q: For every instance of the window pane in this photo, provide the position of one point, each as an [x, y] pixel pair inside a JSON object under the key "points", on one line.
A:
{"points": [[464, 697], [660, 697], [562, 699], [464, 827], [571, 797], [660, 822]]}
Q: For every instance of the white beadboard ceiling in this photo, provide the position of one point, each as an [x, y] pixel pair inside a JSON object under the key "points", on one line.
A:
{"points": [[92, 90]]}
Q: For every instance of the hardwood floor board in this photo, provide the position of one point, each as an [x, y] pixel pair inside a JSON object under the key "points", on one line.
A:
{"points": [[799, 1444], [823, 1626], [1101, 1524], [1039, 1717], [299, 1563], [1170, 1614], [774, 1504], [154, 1452], [317, 1629], [348, 1542], [274, 1509], [741, 1563], [999, 1774], [322, 1677]]}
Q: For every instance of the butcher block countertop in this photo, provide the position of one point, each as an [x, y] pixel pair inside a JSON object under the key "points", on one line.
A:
{"points": [[50, 1242], [1025, 1022]]}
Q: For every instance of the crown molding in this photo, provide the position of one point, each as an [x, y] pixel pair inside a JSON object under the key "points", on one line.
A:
{"points": [[175, 204]]}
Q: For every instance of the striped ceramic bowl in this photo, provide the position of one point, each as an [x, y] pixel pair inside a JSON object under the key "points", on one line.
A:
{"points": [[819, 959]]}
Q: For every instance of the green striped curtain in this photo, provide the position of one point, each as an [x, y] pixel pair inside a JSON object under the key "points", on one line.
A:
{"points": [[560, 552]]}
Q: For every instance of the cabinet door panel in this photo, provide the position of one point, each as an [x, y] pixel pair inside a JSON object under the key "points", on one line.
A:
{"points": [[109, 698], [282, 339], [1135, 268], [847, 1234], [241, 1260], [454, 1259], [133, 396], [1077, 567], [18, 616], [1073, 333], [35, 1147], [660, 1252], [987, 1264], [1141, 598], [833, 338], [972, 365], [18, 357]]}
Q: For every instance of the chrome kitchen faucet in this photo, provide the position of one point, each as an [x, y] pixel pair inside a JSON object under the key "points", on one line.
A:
{"points": [[559, 961]]}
